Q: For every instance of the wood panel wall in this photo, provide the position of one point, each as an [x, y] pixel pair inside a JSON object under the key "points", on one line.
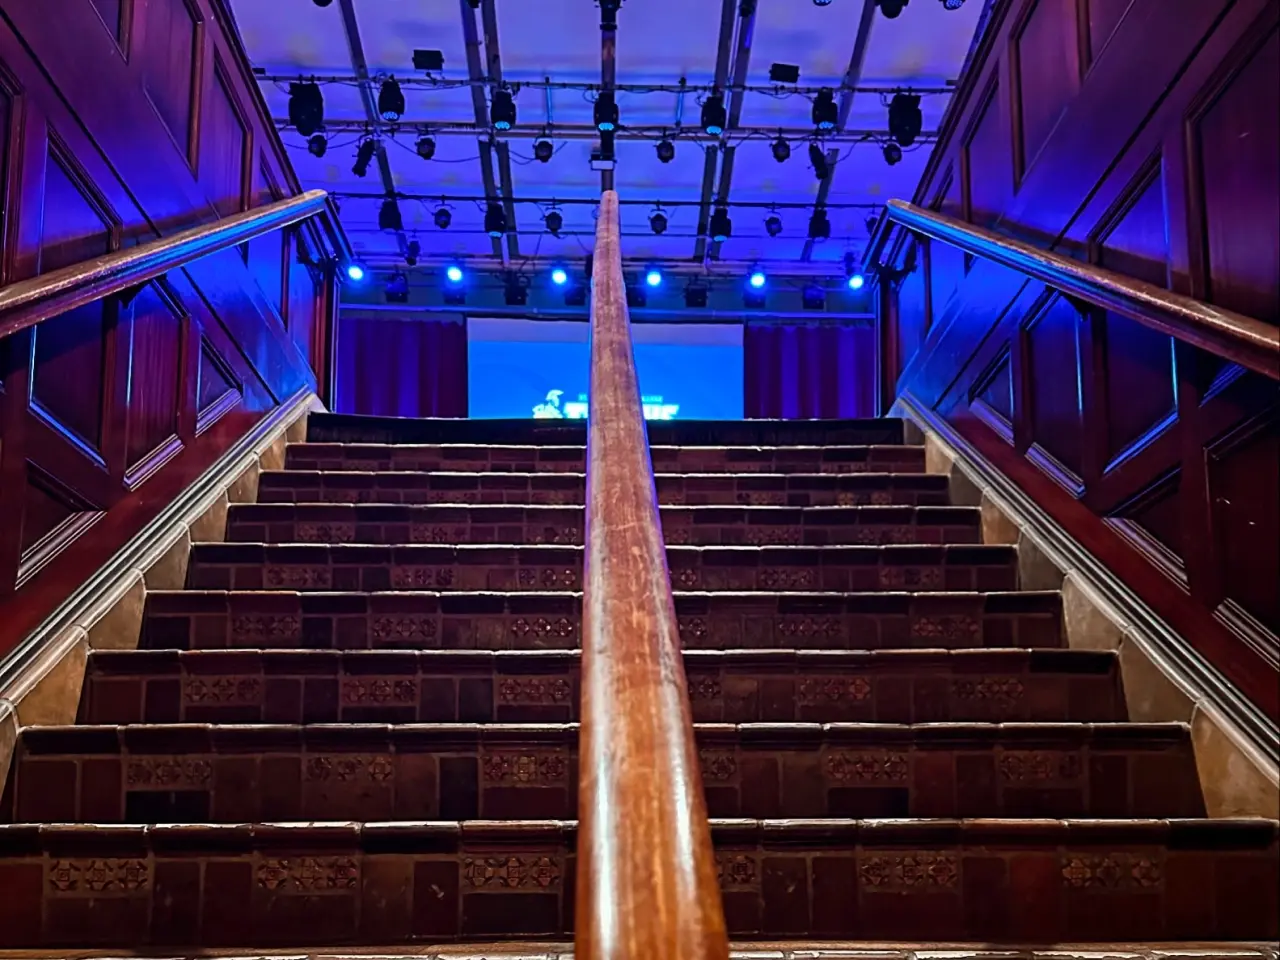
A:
{"points": [[1142, 135], [121, 121]]}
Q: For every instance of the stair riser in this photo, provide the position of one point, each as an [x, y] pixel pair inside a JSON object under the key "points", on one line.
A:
{"points": [[356, 774], [338, 894], [570, 459], [289, 695]]}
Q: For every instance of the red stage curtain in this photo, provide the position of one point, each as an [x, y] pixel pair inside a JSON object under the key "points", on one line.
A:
{"points": [[808, 372], [401, 366]]}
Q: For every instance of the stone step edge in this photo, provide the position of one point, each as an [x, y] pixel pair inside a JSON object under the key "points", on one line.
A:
{"points": [[861, 476], [295, 837], [758, 509], [943, 550]]}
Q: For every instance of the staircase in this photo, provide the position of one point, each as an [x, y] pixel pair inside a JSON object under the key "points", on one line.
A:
{"points": [[356, 726]]}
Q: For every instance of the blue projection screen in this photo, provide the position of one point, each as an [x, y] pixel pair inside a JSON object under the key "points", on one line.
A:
{"points": [[536, 368]]}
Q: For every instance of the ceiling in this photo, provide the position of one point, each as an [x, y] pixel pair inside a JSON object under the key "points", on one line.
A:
{"points": [[523, 43]]}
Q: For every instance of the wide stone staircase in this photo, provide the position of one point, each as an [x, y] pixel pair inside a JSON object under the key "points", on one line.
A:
{"points": [[356, 726]]}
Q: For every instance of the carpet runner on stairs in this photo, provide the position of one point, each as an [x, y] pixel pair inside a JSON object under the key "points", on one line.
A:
{"points": [[357, 725]]}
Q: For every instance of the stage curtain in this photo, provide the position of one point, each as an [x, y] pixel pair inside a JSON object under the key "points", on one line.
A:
{"points": [[413, 365], [808, 372]]}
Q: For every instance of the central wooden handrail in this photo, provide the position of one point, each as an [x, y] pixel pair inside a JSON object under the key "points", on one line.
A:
{"points": [[647, 887]]}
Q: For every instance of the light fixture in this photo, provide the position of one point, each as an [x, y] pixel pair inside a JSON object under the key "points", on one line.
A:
{"points": [[306, 108], [453, 273], [819, 225], [605, 112], [575, 294], [543, 150], [495, 220], [773, 225], [653, 277], [637, 296], [502, 109], [364, 156], [412, 250], [658, 221], [781, 150], [905, 119], [713, 114], [952, 4], [892, 9], [559, 276], [317, 145], [695, 294], [753, 297], [355, 272], [871, 222], [442, 217], [756, 279], [822, 3], [818, 159], [389, 216], [397, 288], [515, 291], [554, 221], [322, 3], [666, 151], [856, 281], [892, 153], [813, 297], [721, 225], [390, 100], [426, 147], [825, 113]]}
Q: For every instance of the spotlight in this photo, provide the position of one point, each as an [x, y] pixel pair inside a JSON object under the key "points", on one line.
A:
{"points": [[442, 217], [666, 151], [952, 4], [756, 280], [364, 156], [397, 289], [390, 100], [818, 159], [773, 225], [606, 112], [721, 225], [495, 220], [389, 216], [822, 3], [412, 250], [825, 112], [781, 150], [695, 294], [872, 222], [317, 145], [306, 108], [355, 272], [502, 110], [892, 153], [543, 150], [426, 147], [554, 221], [559, 277], [322, 3], [453, 273], [905, 119], [515, 292], [753, 297], [856, 281], [784, 73], [892, 9], [653, 277], [819, 225], [813, 297], [636, 296], [658, 222], [713, 114], [575, 295]]}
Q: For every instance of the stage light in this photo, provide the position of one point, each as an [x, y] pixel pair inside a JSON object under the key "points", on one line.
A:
{"points": [[818, 159], [322, 3], [905, 119], [317, 146], [390, 100], [453, 273], [397, 288], [515, 292], [952, 4], [825, 113], [637, 296], [773, 225], [813, 297], [575, 295], [721, 225], [819, 225], [653, 277], [605, 112], [892, 9], [495, 220], [543, 150], [666, 151], [364, 156], [389, 216], [822, 3], [442, 217], [502, 110], [713, 113], [856, 281], [756, 280], [412, 250], [753, 297], [658, 222], [306, 108], [871, 222], [554, 221], [781, 150], [355, 272], [695, 294], [559, 276], [426, 147]]}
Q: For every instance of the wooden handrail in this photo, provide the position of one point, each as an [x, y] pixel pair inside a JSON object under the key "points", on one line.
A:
{"points": [[647, 887], [28, 302], [1232, 336]]}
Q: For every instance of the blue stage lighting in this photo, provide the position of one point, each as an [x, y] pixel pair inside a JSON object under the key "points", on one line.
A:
{"points": [[756, 279], [653, 278], [559, 277], [453, 274], [355, 272], [856, 281]]}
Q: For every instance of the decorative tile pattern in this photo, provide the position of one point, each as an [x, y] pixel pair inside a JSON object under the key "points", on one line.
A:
{"points": [[705, 688], [809, 626], [687, 578], [718, 764], [297, 577], [787, 578], [308, 875], [256, 629], [402, 630], [529, 769], [420, 533], [555, 578], [957, 629], [542, 627], [347, 767], [102, 877], [512, 873], [878, 767], [326, 532], [224, 691], [1001, 691], [1019, 766], [772, 535], [909, 872], [812, 691], [1112, 871], [421, 578], [911, 578], [736, 870], [382, 691], [167, 773], [534, 690], [692, 628]]}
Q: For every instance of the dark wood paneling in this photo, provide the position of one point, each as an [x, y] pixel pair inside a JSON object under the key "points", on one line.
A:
{"points": [[224, 148], [171, 54], [1053, 376], [157, 331], [988, 163], [1048, 64], [1103, 17]]}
